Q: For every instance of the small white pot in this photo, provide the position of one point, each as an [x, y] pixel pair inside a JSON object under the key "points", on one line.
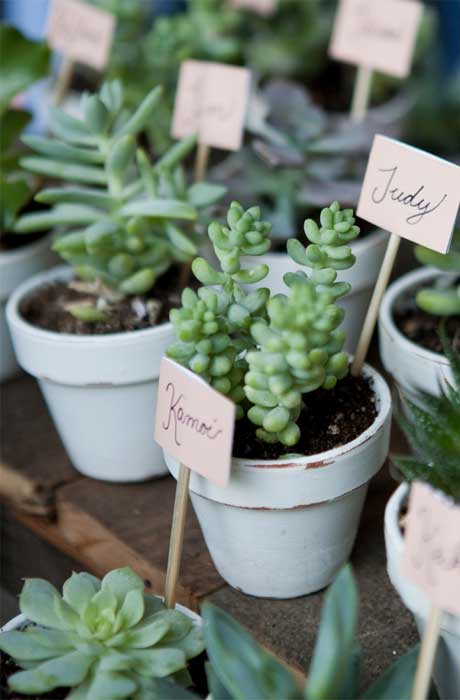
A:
{"points": [[15, 267], [369, 252], [100, 389], [447, 666], [413, 367], [283, 528]]}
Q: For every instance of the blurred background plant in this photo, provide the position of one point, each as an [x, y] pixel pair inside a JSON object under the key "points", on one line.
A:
{"points": [[443, 298]]}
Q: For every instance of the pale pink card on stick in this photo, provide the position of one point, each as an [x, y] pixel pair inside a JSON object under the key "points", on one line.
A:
{"points": [[211, 101], [261, 7], [81, 32], [410, 193], [194, 422], [431, 556], [379, 34]]}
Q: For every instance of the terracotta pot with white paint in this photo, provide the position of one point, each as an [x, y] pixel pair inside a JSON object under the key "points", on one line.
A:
{"points": [[447, 666], [413, 367], [369, 252], [283, 528], [101, 390], [16, 266]]}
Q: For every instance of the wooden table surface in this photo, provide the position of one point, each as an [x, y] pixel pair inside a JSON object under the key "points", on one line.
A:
{"points": [[103, 526]]}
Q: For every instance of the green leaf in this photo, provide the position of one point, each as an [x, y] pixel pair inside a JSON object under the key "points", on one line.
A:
{"points": [[252, 276], [335, 644], [167, 690], [23, 63], [132, 609], [160, 209], [69, 128], [158, 663], [77, 195], [396, 681], [217, 689], [89, 313], [143, 114], [12, 123], [206, 274], [121, 581], [203, 194], [297, 252], [139, 283], [146, 633], [62, 151], [38, 603], [59, 216], [176, 153], [65, 171], [180, 240], [14, 194], [68, 670], [24, 647], [115, 686]]}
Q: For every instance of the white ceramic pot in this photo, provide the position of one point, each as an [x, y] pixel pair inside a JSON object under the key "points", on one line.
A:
{"points": [[413, 368], [283, 528], [369, 252], [15, 267], [447, 666], [100, 389]]}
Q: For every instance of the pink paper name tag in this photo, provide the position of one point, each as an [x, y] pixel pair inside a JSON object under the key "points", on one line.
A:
{"points": [[194, 422], [431, 556], [261, 7], [379, 34], [81, 32], [211, 101], [410, 193]]}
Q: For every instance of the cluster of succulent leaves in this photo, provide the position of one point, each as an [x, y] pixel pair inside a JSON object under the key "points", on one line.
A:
{"points": [[101, 639], [300, 157], [433, 431], [123, 219], [265, 353], [23, 63], [440, 299], [239, 668]]}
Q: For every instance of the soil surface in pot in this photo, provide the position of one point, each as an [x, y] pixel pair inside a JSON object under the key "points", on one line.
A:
{"points": [[422, 328], [196, 668], [328, 419], [46, 308]]}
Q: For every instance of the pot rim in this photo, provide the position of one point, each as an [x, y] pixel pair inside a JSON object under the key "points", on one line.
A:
{"points": [[392, 295], [9, 257], [63, 272]]}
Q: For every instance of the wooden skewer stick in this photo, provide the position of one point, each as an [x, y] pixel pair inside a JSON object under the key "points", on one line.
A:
{"points": [[361, 94], [201, 162], [177, 536], [374, 306], [427, 655], [64, 79]]}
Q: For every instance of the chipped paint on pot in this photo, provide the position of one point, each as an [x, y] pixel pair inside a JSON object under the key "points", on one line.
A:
{"points": [[447, 666], [283, 528], [100, 389], [369, 252], [413, 367]]}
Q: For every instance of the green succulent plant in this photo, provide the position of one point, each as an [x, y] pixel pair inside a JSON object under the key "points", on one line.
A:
{"points": [[441, 300], [265, 353], [239, 668], [101, 639], [433, 431], [23, 63], [122, 220]]}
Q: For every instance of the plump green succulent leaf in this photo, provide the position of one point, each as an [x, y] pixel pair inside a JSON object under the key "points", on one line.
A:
{"points": [[440, 302], [55, 150], [396, 681], [74, 172], [143, 114], [160, 209], [23, 63], [75, 195], [12, 123], [67, 670], [203, 194]]}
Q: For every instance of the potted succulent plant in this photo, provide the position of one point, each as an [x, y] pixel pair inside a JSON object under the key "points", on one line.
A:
{"points": [[99, 640], [433, 430], [309, 437], [93, 333], [409, 319], [299, 158], [24, 62]]}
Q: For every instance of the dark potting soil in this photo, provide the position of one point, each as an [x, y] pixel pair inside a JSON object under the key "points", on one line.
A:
{"points": [[422, 328], [196, 668], [328, 419], [45, 308]]}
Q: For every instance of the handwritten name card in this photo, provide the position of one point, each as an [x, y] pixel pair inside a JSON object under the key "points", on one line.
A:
{"points": [[379, 34], [265, 8], [432, 546], [81, 32], [410, 193], [211, 101], [194, 422]]}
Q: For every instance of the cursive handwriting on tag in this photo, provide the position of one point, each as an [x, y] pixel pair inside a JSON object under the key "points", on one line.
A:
{"points": [[379, 34], [194, 422], [410, 193], [211, 101], [81, 32], [432, 546]]}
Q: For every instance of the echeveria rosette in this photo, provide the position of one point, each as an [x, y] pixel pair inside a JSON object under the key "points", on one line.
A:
{"points": [[123, 219], [440, 300], [298, 351], [101, 639], [213, 325]]}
